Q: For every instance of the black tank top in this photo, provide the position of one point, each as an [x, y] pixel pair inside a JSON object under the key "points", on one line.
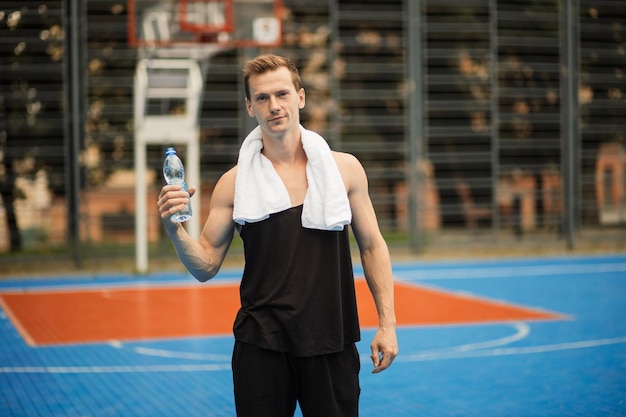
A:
{"points": [[297, 291]]}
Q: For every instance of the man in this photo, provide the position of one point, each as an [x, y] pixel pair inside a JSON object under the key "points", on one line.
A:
{"points": [[296, 331]]}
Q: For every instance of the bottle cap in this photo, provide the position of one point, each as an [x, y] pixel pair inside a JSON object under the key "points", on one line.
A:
{"points": [[170, 151]]}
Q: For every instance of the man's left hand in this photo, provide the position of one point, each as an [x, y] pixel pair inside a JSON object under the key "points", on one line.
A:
{"points": [[384, 349]]}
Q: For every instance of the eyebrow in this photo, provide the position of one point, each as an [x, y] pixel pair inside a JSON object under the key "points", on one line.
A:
{"points": [[280, 91]]}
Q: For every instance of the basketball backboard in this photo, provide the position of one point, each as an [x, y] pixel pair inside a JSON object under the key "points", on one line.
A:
{"points": [[226, 23]]}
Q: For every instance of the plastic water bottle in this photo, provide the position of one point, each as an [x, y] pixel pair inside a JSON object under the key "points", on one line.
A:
{"points": [[174, 173]]}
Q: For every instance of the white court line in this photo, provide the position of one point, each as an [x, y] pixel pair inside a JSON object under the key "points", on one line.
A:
{"points": [[119, 369], [583, 344], [522, 331], [416, 357], [509, 272], [116, 286], [8, 314], [180, 355], [417, 274]]}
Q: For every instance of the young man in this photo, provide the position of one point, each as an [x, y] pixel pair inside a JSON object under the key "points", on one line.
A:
{"points": [[289, 198]]}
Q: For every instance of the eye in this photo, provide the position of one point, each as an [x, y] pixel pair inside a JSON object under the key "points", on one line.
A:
{"points": [[261, 99]]}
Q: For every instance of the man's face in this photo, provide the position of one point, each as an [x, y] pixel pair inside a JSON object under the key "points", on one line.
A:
{"points": [[275, 102]]}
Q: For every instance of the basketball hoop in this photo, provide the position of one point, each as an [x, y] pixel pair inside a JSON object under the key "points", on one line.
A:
{"points": [[187, 23]]}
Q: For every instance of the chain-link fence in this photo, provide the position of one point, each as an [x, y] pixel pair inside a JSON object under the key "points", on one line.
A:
{"points": [[493, 122]]}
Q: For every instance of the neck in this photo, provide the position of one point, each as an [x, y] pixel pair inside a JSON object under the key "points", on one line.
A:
{"points": [[286, 148]]}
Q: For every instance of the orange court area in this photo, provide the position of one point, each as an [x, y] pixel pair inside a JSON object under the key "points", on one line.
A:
{"points": [[99, 315]]}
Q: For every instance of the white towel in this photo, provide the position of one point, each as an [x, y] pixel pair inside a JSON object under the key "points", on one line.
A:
{"points": [[259, 191]]}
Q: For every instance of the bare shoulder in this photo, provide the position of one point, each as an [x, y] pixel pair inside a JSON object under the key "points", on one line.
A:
{"points": [[230, 175], [351, 169], [346, 160], [224, 192]]}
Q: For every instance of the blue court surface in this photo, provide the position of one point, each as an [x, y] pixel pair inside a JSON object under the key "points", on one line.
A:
{"points": [[574, 365]]}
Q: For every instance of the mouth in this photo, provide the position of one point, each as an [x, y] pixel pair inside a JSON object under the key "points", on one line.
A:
{"points": [[276, 119]]}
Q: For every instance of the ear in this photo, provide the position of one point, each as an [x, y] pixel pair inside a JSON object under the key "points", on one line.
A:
{"points": [[249, 108], [302, 99]]}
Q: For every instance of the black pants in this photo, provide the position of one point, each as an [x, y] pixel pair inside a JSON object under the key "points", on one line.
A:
{"points": [[269, 383]]}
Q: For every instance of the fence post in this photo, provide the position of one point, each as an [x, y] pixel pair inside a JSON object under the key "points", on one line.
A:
{"points": [[570, 114], [415, 135]]}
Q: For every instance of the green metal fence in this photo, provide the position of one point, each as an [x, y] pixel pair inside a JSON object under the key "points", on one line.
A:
{"points": [[495, 121]]}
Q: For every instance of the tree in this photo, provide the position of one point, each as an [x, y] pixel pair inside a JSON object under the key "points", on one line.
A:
{"points": [[31, 134]]}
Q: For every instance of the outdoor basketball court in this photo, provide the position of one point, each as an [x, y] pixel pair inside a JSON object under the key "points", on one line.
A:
{"points": [[531, 337]]}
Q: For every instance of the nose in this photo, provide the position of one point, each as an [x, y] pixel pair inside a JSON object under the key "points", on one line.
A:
{"points": [[274, 107]]}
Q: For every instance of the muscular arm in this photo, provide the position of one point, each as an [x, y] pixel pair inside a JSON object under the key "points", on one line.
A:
{"points": [[203, 257], [374, 257]]}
